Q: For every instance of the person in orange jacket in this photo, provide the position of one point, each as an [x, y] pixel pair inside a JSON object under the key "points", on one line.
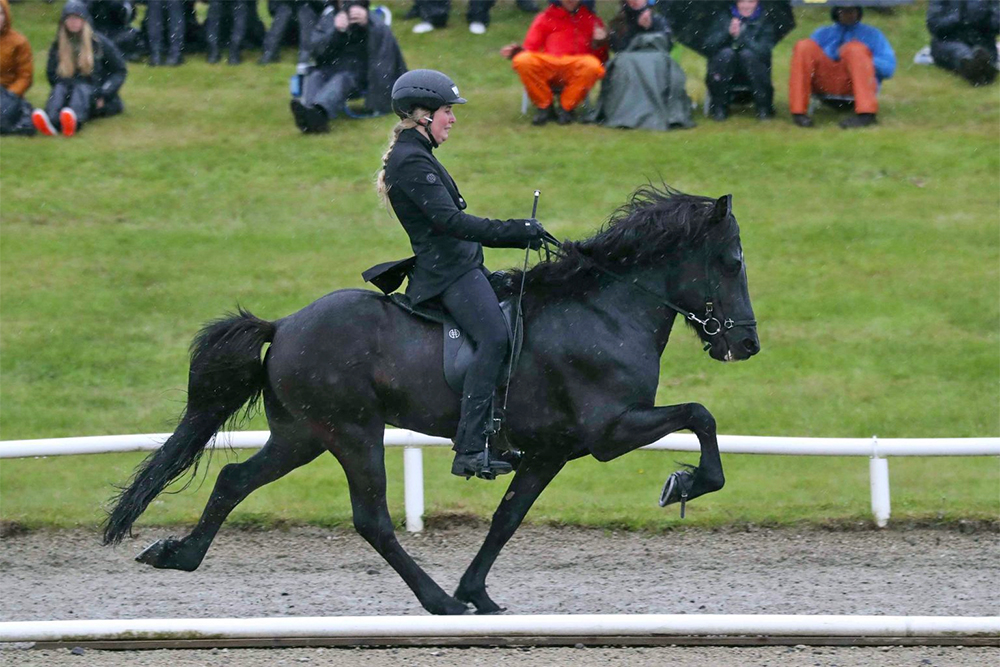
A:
{"points": [[16, 71], [566, 46]]}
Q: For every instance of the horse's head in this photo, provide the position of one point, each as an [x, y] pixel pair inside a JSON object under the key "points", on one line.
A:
{"points": [[711, 287]]}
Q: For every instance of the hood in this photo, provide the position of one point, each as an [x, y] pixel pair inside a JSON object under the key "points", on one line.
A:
{"points": [[8, 19], [835, 12], [77, 7]]}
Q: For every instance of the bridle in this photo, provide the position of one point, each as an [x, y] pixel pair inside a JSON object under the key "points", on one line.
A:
{"points": [[710, 324]]}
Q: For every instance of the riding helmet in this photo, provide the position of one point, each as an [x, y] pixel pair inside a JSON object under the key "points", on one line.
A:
{"points": [[425, 88]]}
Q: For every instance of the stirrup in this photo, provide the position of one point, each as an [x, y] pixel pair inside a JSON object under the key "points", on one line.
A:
{"points": [[677, 488]]}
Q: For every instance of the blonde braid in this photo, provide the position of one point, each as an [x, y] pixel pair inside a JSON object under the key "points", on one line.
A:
{"points": [[405, 124]]}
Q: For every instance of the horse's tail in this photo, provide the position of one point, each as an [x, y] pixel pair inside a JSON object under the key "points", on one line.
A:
{"points": [[226, 372]]}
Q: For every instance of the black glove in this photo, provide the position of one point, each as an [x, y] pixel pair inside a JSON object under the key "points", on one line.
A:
{"points": [[534, 233]]}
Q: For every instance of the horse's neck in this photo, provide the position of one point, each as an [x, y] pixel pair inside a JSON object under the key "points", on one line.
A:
{"points": [[633, 299]]}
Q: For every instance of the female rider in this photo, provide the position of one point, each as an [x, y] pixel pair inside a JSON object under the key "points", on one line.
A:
{"points": [[448, 244]]}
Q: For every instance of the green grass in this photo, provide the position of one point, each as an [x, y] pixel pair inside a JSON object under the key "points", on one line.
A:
{"points": [[874, 263]]}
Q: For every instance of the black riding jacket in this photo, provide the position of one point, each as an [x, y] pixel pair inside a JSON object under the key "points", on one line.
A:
{"points": [[447, 242]]}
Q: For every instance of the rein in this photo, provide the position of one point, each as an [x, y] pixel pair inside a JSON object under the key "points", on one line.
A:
{"points": [[709, 324]]}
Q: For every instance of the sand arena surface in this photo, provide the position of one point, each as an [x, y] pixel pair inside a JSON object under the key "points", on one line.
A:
{"points": [[318, 572]]}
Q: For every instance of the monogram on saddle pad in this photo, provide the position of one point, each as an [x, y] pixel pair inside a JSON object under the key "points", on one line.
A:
{"points": [[458, 347]]}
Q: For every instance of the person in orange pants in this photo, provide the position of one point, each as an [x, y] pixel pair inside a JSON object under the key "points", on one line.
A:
{"points": [[847, 58], [566, 47]]}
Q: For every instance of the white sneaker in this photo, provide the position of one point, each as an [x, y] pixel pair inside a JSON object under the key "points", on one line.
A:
{"points": [[477, 28], [422, 27]]}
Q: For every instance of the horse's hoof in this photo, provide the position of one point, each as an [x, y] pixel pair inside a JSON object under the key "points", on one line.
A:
{"points": [[677, 488], [152, 554]]}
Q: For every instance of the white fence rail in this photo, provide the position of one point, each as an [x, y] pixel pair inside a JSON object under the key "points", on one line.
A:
{"points": [[413, 629], [876, 449]]}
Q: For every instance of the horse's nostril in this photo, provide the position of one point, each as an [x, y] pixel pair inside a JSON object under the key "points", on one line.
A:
{"points": [[751, 345]]}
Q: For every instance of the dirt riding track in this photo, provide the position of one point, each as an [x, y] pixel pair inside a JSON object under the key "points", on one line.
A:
{"points": [[316, 572]]}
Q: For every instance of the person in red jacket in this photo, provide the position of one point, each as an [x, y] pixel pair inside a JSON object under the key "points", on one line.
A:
{"points": [[566, 47]]}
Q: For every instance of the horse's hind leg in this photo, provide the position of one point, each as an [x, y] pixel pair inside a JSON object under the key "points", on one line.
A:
{"points": [[531, 478], [362, 454], [279, 456]]}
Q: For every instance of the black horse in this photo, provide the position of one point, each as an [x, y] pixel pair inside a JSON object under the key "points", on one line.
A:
{"points": [[596, 321]]}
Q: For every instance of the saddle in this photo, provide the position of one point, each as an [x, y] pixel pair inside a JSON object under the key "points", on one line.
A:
{"points": [[458, 347]]}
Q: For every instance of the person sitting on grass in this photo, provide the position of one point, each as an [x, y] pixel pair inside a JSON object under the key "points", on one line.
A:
{"points": [[566, 46], [355, 53], [298, 16], [963, 37], [740, 44], [86, 71], [16, 74], [846, 58], [643, 86]]}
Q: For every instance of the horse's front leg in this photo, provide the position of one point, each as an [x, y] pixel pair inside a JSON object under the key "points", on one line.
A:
{"points": [[637, 427], [531, 478]]}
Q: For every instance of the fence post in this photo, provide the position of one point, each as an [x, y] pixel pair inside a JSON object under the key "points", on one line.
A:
{"points": [[878, 471], [413, 488]]}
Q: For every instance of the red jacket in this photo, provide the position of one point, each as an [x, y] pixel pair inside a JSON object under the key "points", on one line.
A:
{"points": [[559, 33]]}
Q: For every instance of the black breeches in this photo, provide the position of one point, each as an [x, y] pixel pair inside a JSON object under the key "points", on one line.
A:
{"points": [[176, 24], [473, 303], [729, 68]]}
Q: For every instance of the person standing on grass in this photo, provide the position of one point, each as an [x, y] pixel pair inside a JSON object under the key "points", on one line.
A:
{"points": [[16, 74], [448, 246], [296, 15], [167, 20], [86, 71], [740, 45], [846, 58], [963, 37], [567, 44], [236, 15]]}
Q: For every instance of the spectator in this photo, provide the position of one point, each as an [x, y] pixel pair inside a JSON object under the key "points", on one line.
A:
{"points": [[565, 45], [16, 73], [355, 54], [236, 15], [739, 46], [963, 37], [846, 58], [113, 19], [434, 14], [297, 15], [86, 71], [170, 22], [644, 86]]}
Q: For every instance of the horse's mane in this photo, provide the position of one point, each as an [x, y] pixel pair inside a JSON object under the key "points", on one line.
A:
{"points": [[652, 224]]}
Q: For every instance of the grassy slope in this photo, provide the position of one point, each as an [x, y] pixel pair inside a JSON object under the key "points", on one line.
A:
{"points": [[873, 262]]}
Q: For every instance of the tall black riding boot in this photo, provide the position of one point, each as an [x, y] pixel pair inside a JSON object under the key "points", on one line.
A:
{"points": [[471, 455]]}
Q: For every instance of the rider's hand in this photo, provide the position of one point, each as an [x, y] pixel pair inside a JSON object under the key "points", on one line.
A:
{"points": [[534, 232], [340, 21], [600, 34]]}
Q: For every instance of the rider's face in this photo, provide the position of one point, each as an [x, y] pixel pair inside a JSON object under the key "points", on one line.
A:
{"points": [[441, 124]]}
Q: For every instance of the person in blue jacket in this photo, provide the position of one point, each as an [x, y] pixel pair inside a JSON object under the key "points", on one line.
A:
{"points": [[846, 58]]}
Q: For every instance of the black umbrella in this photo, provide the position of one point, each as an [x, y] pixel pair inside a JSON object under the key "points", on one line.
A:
{"points": [[690, 20]]}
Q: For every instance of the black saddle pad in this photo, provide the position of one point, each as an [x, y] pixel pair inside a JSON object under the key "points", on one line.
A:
{"points": [[458, 347]]}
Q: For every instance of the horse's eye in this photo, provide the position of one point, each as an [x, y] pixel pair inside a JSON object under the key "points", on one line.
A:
{"points": [[732, 263]]}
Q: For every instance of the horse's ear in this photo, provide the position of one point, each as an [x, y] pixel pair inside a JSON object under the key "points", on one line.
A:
{"points": [[723, 208]]}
